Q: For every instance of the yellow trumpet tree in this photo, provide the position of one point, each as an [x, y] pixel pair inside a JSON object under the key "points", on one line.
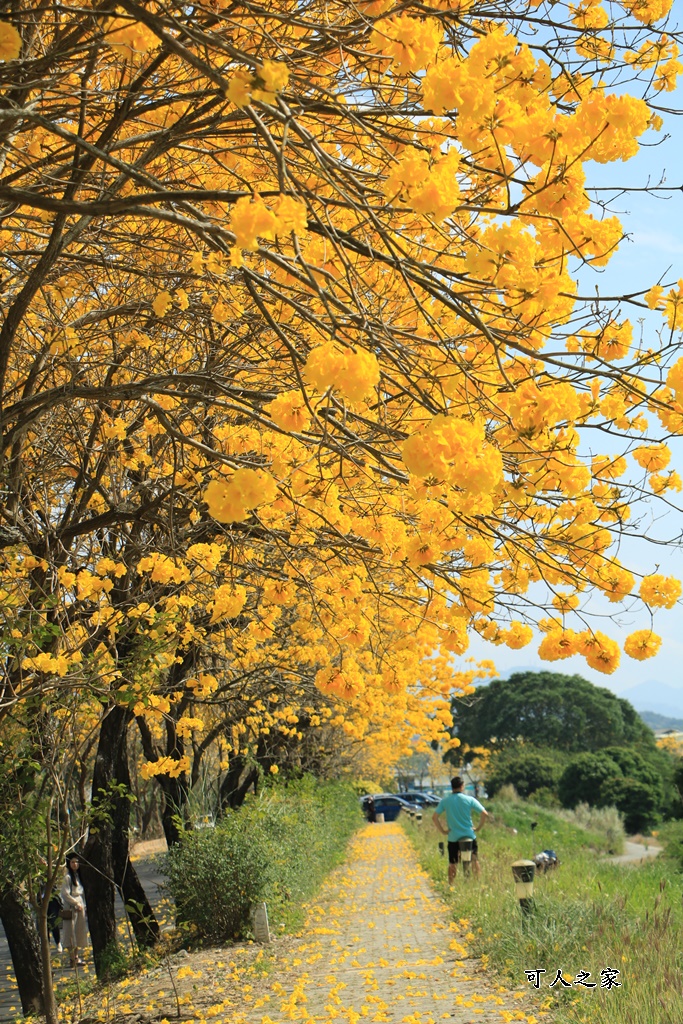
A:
{"points": [[303, 281], [297, 385]]}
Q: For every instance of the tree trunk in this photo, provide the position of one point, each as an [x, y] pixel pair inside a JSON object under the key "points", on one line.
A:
{"points": [[49, 1002], [172, 813], [233, 791], [97, 873], [142, 919], [174, 790], [24, 947]]}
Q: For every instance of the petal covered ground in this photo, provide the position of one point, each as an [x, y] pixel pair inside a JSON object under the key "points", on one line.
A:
{"points": [[378, 945]]}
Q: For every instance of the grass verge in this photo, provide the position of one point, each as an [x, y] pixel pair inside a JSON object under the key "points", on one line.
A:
{"points": [[589, 915]]}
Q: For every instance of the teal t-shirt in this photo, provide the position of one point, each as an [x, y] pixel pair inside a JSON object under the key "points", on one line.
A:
{"points": [[458, 808]]}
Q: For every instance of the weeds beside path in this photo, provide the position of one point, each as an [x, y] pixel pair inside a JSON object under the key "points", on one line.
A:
{"points": [[378, 945], [592, 920]]}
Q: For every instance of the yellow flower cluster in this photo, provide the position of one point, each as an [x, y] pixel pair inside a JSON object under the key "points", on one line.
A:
{"points": [[355, 374], [10, 42], [130, 37], [227, 603], [163, 569], [49, 664], [642, 644], [186, 725], [648, 11], [600, 651], [652, 457], [660, 591], [165, 766], [533, 407], [429, 187], [264, 85], [251, 219], [231, 500], [289, 411], [455, 450], [410, 43]]}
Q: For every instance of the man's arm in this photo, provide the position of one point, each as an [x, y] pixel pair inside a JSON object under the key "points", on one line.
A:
{"points": [[482, 820], [437, 821]]}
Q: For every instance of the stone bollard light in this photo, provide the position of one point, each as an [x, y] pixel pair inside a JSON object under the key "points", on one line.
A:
{"points": [[523, 873], [465, 846]]}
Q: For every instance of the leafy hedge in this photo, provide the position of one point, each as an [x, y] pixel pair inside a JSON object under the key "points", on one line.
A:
{"points": [[278, 847]]}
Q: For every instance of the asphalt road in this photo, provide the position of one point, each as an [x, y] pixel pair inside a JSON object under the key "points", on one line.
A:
{"points": [[635, 853], [151, 878]]}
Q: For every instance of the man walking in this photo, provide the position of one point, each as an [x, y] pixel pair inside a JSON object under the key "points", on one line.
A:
{"points": [[458, 807]]}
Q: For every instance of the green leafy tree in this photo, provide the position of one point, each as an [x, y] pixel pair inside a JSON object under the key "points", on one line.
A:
{"points": [[583, 779], [615, 777], [678, 777], [637, 801], [634, 766], [549, 709], [527, 768]]}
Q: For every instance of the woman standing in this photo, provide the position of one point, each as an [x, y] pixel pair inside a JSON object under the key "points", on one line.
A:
{"points": [[75, 934]]}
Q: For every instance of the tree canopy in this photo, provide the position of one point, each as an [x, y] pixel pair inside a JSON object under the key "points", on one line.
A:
{"points": [[294, 368], [615, 777], [548, 709]]}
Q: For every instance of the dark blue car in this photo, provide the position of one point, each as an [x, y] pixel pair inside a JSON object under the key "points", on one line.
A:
{"points": [[417, 796], [388, 804]]}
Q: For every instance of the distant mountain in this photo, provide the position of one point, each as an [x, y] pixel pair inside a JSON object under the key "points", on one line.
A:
{"points": [[655, 696], [656, 721]]}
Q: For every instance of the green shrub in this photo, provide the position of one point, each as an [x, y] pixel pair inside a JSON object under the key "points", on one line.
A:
{"points": [[546, 797], [671, 834], [508, 794], [277, 847], [215, 876]]}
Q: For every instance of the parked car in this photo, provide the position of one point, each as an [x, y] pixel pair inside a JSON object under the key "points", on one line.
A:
{"points": [[389, 805], [416, 796]]}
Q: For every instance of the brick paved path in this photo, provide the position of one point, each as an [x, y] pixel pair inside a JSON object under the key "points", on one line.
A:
{"points": [[379, 945]]}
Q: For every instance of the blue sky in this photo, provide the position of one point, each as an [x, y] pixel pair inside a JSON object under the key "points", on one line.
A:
{"points": [[654, 250]]}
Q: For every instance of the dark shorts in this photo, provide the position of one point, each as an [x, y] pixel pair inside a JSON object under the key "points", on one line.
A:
{"points": [[454, 851]]}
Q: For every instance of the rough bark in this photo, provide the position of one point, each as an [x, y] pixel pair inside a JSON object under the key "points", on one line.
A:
{"points": [[174, 790], [97, 870], [106, 856], [172, 813], [49, 1002], [233, 791], [24, 946], [144, 923]]}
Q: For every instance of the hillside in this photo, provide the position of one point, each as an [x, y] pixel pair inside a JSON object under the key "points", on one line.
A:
{"points": [[657, 721]]}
